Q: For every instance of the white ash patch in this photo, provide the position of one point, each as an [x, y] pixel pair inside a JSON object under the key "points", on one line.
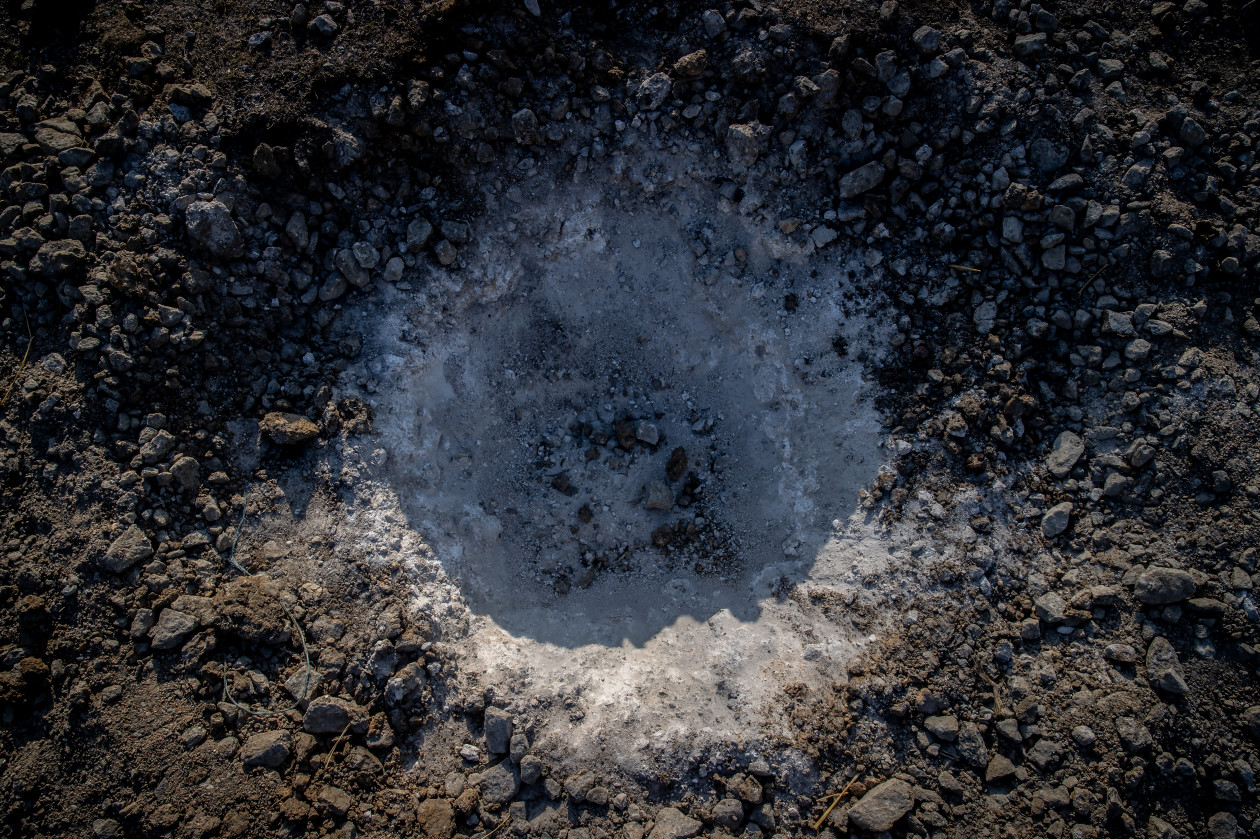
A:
{"points": [[529, 409]]}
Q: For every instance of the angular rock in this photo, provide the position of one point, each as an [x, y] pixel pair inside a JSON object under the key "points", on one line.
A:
{"points": [[1030, 46], [499, 784], [331, 714], [999, 769], [171, 629], [130, 548], [407, 685], [57, 135], [860, 180], [654, 91], [970, 745], [286, 429], [1158, 586], [210, 226], [270, 749], [498, 730], [944, 727], [745, 142], [880, 808], [673, 824], [1164, 668]]}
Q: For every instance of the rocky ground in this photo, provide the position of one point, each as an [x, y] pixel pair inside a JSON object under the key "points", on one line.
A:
{"points": [[1057, 209]]}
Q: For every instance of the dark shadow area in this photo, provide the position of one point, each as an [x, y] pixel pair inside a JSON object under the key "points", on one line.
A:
{"points": [[530, 444]]}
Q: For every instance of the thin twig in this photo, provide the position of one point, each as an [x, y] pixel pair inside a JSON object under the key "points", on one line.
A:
{"points": [[964, 268], [494, 831], [836, 800], [331, 752], [30, 342]]}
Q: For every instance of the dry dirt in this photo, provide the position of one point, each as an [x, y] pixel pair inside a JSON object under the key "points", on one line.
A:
{"points": [[628, 420]]}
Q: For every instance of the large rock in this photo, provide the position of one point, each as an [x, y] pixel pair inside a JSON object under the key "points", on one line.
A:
{"points": [[331, 715], [57, 135], [1164, 668], [58, 257], [498, 784], [1251, 719], [1158, 586], [1056, 519], [745, 142], [130, 548], [498, 730], [880, 808], [860, 180], [970, 745], [210, 226], [171, 629], [270, 749], [673, 824], [1068, 449], [286, 429]]}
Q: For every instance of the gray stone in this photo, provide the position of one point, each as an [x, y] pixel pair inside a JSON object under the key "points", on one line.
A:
{"points": [[1158, 586], [325, 25], [407, 685], [970, 745], [418, 233], [745, 142], [1044, 754], [331, 715], [270, 749], [525, 128], [1223, 825], [57, 135], [728, 813], [673, 824], [1164, 668], [1046, 156], [351, 269], [659, 496], [880, 808], [498, 784], [944, 727], [1120, 653], [654, 91], [531, 769], [210, 226], [130, 548], [999, 769], [927, 40], [498, 730], [1068, 448], [187, 472], [1251, 719], [1030, 46], [860, 180], [1133, 735], [1056, 519], [171, 629], [1051, 608]]}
